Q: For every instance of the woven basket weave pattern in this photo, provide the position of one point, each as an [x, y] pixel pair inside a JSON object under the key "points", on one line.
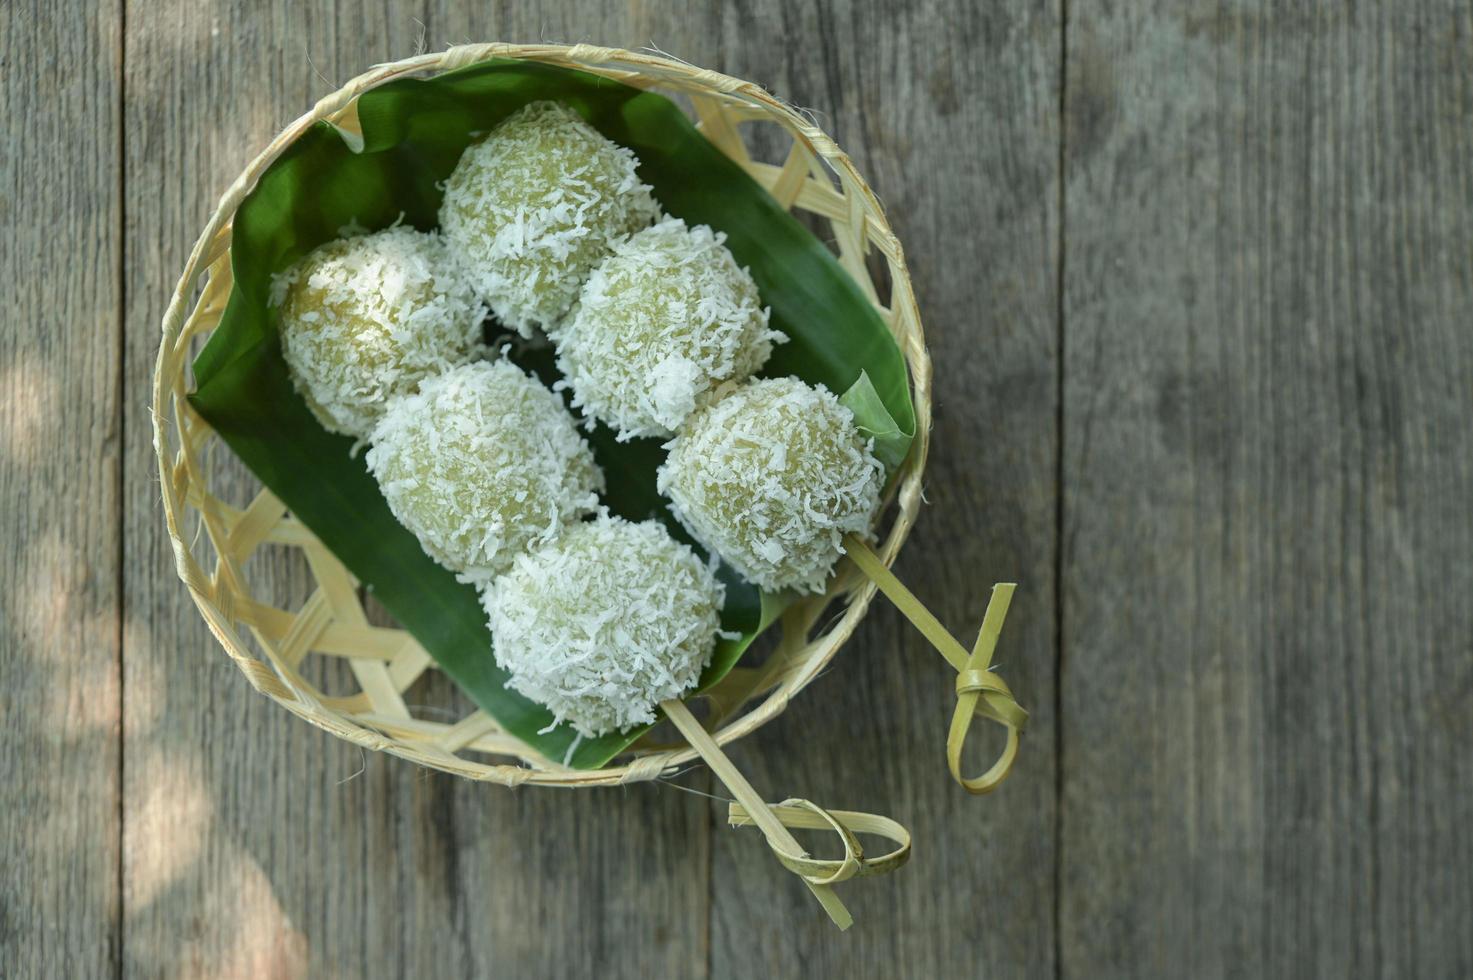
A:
{"points": [[816, 177]]}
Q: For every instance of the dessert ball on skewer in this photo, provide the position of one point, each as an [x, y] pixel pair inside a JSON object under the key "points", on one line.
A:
{"points": [[482, 463], [606, 622], [534, 206], [665, 318], [771, 476], [366, 318]]}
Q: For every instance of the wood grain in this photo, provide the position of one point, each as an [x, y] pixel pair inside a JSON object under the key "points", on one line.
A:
{"points": [[1267, 686], [950, 111], [1261, 760], [59, 471]]}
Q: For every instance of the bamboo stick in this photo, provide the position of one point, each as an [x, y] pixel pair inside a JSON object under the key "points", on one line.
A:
{"points": [[778, 836], [979, 691]]}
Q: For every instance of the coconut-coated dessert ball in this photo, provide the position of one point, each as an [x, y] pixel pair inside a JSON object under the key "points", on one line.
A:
{"points": [[606, 622], [533, 207], [771, 476], [366, 318], [664, 319], [482, 463]]}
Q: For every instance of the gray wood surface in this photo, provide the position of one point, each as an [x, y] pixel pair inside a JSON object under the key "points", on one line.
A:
{"points": [[1197, 285], [59, 479], [1267, 685]]}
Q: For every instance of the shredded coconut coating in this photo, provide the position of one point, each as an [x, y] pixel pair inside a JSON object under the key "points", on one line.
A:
{"points": [[533, 207], [667, 317], [482, 463], [366, 318], [605, 623], [771, 476]]}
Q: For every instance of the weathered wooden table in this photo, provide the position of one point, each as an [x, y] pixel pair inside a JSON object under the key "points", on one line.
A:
{"points": [[1198, 280]]}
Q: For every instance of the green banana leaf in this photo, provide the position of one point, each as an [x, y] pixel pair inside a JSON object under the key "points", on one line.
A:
{"points": [[413, 133]]}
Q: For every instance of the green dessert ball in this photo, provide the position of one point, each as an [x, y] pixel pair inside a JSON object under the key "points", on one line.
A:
{"points": [[482, 463], [771, 476], [605, 623], [367, 318], [664, 319], [534, 206]]}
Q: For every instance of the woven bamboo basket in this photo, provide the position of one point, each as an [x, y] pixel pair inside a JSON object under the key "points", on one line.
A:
{"points": [[270, 645]]}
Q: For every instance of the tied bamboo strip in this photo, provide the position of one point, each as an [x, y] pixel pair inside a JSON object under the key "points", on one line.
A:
{"points": [[979, 691], [777, 835], [819, 874], [804, 815]]}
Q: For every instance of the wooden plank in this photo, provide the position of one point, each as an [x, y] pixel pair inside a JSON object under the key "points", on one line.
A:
{"points": [[950, 111], [59, 470], [254, 842], [226, 802], [1267, 687]]}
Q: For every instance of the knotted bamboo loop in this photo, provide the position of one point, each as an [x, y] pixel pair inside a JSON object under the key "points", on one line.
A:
{"points": [[979, 691], [772, 828], [818, 874], [806, 815]]}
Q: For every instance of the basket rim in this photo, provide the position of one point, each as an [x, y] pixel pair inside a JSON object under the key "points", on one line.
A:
{"points": [[644, 69]]}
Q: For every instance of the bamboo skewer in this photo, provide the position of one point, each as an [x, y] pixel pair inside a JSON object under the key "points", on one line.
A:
{"points": [[778, 836], [979, 691]]}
